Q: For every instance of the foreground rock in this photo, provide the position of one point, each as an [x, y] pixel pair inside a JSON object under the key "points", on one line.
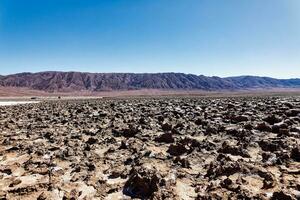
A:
{"points": [[160, 148]]}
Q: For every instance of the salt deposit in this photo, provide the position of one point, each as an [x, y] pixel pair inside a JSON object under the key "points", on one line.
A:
{"points": [[11, 103]]}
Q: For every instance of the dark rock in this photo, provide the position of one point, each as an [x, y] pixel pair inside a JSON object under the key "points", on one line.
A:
{"points": [[123, 145], [237, 133], [272, 119], [263, 127], [269, 158], [227, 168], [295, 154], [240, 118], [271, 146], [160, 118], [198, 121], [288, 104], [190, 142], [281, 196], [130, 132], [293, 112], [42, 196], [6, 171], [166, 127], [211, 130], [91, 141], [281, 125], [233, 150], [182, 161], [89, 132], [142, 183], [165, 138], [230, 105], [269, 180], [177, 149], [248, 126], [283, 132], [91, 166]]}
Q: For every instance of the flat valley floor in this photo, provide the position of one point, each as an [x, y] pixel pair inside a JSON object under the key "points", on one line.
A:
{"points": [[152, 148]]}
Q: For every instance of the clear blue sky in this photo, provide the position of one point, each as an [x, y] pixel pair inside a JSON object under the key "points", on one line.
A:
{"points": [[210, 37]]}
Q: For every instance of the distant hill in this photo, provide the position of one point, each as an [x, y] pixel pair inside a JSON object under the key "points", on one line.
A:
{"points": [[250, 82], [79, 81]]}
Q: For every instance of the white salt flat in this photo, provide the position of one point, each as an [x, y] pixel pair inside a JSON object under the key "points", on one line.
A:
{"points": [[11, 103]]}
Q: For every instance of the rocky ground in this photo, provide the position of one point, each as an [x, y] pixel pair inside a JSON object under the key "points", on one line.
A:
{"points": [[152, 148]]}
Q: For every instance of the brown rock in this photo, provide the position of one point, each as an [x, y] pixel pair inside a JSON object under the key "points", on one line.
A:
{"points": [[142, 183], [177, 149]]}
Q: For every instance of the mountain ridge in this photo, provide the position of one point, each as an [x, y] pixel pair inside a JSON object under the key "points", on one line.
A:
{"points": [[57, 81]]}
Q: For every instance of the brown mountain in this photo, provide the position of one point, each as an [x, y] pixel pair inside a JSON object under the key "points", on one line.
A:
{"points": [[78, 81]]}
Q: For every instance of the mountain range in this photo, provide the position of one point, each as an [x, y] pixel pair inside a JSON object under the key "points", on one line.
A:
{"points": [[53, 81]]}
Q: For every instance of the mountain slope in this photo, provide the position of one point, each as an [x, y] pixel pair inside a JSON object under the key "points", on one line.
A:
{"points": [[262, 82], [78, 81]]}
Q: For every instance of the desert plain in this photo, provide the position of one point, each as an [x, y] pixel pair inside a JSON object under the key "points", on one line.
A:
{"points": [[178, 147]]}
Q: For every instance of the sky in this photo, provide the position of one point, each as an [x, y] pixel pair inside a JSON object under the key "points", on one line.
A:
{"points": [[210, 37]]}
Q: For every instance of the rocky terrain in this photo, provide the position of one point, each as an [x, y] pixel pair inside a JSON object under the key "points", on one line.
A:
{"points": [[152, 148], [95, 82]]}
